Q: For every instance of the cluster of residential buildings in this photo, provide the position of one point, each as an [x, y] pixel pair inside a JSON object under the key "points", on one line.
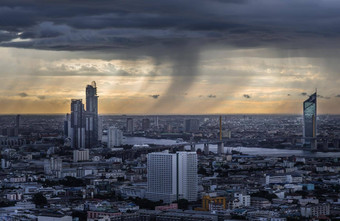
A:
{"points": [[173, 185], [85, 170]]}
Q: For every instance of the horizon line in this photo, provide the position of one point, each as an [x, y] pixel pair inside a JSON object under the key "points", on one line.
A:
{"points": [[176, 114]]}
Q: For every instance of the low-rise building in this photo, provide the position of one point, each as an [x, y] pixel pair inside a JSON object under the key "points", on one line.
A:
{"points": [[315, 210], [259, 202]]}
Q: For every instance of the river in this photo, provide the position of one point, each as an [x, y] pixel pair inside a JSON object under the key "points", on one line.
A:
{"points": [[244, 150]]}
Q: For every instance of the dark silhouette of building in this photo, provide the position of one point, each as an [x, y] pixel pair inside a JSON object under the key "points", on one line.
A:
{"points": [[145, 124], [77, 132], [67, 125], [129, 125], [17, 123], [191, 125], [91, 116], [309, 119], [82, 125]]}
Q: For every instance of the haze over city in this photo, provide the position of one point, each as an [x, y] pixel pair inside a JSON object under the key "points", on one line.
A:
{"points": [[173, 57], [169, 110]]}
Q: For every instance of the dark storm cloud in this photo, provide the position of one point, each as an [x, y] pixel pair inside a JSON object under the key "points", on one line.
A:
{"points": [[154, 28], [7, 36], [323, 97], [15, 18], [45, 30], [247, 96], [23, 94], [155, 96], [212, 96], [174, 31], [319, 95], [238, 23]]}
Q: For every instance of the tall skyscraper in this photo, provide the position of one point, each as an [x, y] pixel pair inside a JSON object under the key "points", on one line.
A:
{"points": [[309, 119], [77, 132], [115, 137], [92, 98], [129, 125], [82, 125], [91, 116], [172, 176]]}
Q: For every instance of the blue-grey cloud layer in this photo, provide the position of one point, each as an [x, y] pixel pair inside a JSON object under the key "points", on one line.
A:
{"points": [[176, 31], [104, 24]]}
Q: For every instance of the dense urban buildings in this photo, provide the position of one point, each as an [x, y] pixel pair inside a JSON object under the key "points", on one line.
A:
{"points": [[262, 171], [202, 110], [176, 167]]}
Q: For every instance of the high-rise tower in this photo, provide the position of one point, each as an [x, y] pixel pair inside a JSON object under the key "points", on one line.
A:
{"points": [[115, 137], [91, 115], [82, 126], [92, 98], [172, 176], [129, 125], [77, 133], [309, 119]]}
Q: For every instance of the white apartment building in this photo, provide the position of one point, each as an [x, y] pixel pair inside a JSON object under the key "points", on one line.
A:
{"points": [[312, 210], [115, 137], [81, 155], [283, 178], [244, 199], [172, 176]]}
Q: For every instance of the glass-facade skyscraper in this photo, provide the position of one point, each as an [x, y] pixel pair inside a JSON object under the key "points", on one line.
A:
{"points": [[172, 176], [309, 118], [91, 116], [77, 129], [82, 125]]}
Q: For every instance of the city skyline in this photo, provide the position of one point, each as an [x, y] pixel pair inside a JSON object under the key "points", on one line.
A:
{"points": [[218, 112], [205, 57], [154, 110]]}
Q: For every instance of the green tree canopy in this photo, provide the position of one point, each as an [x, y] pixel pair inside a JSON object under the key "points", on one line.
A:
{"points": [[39, 199]]}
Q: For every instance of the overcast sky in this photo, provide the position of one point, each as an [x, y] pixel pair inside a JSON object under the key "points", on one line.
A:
{"points": [[170, 56]]}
